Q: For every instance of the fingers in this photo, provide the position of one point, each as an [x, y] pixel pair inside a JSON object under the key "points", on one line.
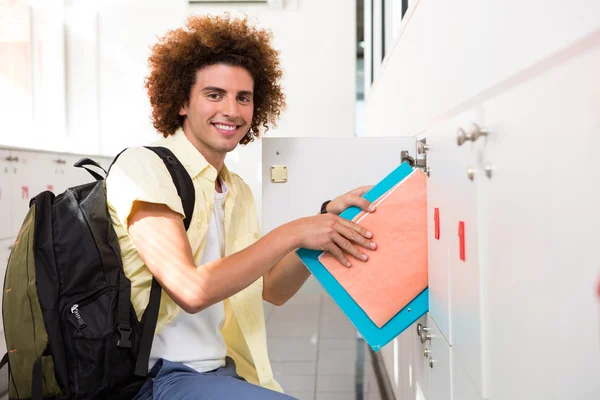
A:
{"points": [[361, 232], [343, 237], [338, 254], [346, 235], [348, 247], [361, 190], [361, 203]]}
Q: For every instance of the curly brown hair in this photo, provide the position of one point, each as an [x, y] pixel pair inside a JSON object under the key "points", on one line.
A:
{"points": [[205, 41]]}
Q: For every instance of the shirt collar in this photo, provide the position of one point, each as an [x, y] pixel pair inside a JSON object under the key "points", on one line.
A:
{"points": [[193, 161]]}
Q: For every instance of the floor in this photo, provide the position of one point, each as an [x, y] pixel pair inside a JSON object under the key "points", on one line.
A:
{"points": [[315, 351]]}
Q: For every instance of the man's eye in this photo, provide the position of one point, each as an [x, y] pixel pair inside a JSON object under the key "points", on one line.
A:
{"points": [[214, 96], [244, 99]]}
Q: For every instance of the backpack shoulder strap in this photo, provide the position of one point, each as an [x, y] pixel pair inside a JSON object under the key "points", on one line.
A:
{"points": [[181, 179], [185, 190]]}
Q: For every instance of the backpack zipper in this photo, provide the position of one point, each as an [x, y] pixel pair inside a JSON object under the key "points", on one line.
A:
{"points": [[75, 311]]}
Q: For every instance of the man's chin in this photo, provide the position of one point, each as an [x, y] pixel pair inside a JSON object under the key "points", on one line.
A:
{"points": [[229, 148]]}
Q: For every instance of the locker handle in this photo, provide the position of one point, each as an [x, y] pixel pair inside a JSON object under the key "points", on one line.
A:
{"points": [[436, 219], [461, 235]]}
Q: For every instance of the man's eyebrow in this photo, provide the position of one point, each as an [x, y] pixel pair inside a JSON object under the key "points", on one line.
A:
{"points": [[213, 89], [220, 90]]}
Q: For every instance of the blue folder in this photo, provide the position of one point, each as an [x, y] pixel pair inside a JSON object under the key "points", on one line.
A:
{"points": [[376, 337]]}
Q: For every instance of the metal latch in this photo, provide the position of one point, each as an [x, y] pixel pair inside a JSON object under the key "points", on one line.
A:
{"points": [[421, 160], [278, 174]]}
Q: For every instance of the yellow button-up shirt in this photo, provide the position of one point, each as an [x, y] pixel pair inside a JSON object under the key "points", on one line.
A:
{"points": [[140, 175]]}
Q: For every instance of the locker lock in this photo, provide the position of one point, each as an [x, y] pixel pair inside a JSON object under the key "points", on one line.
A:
{"points": [[426, 352], [422, 147], [488, 170], [431, 362], [472, 134], [425, 336], [471, 173], [422, 333], [419, 329]]}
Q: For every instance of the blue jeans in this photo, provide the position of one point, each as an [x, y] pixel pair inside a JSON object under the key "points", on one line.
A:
{"points": [[175, 381]]}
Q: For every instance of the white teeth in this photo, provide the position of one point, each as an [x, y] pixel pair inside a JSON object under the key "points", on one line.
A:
{"points": [[225, 127]]}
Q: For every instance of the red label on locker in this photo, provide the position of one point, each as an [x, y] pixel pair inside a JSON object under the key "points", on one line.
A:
{"points": [[24, 192], [436, 219], [461, 235], [50, 188]]}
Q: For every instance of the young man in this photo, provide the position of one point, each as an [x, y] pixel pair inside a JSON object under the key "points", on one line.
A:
{"points": [[212, 86]]}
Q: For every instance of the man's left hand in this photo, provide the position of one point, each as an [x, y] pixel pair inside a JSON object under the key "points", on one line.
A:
{"points": [[352, 198]]}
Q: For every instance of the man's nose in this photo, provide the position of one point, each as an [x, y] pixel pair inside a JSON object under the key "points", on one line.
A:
{"points": [[231, 108]]}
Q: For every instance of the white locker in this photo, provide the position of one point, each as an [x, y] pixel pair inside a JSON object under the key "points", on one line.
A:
{"points": [[20, 188], [44, 173], [319, 169], [541, 215], [438, 212], [5, 198], [405, 365], [455, 278], [462, 386], [438, 361], [421, 374], [465, 276]]}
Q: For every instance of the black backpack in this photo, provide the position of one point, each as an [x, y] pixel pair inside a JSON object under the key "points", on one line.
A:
{"points": [[70, 329]]}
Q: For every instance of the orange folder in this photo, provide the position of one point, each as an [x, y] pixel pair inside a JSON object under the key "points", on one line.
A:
{"points": [[396, 272]]}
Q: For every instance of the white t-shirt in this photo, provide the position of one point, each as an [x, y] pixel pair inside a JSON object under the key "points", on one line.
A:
{"points": [[195, 340]]}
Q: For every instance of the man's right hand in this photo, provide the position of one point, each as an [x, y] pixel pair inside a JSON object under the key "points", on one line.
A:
{"points": [[338, 236]]}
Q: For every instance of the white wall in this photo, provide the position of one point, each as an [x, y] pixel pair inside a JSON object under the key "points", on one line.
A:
{"points": [[449, 52], [97, 72], [33, 114]]}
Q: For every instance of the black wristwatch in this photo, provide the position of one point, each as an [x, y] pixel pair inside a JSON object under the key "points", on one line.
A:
{"points": [[324, 207]]}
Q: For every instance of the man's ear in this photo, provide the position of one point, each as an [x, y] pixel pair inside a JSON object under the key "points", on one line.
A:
{"points": [[183, 110]]}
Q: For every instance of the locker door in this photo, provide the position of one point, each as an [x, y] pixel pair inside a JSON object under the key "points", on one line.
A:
{"points": [[5, 186], [405, 355], [439, 363], [439, 213], [323, 168], [42, 168], [542, 218], [421, 373], [462, 387], [465, 274], [20, 189]]}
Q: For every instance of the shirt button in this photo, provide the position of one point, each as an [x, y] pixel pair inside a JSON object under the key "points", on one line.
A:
{"points": [[256, 235]]}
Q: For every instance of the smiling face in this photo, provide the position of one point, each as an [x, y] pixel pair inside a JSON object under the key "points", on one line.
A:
{"points": [[220, 110]]}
